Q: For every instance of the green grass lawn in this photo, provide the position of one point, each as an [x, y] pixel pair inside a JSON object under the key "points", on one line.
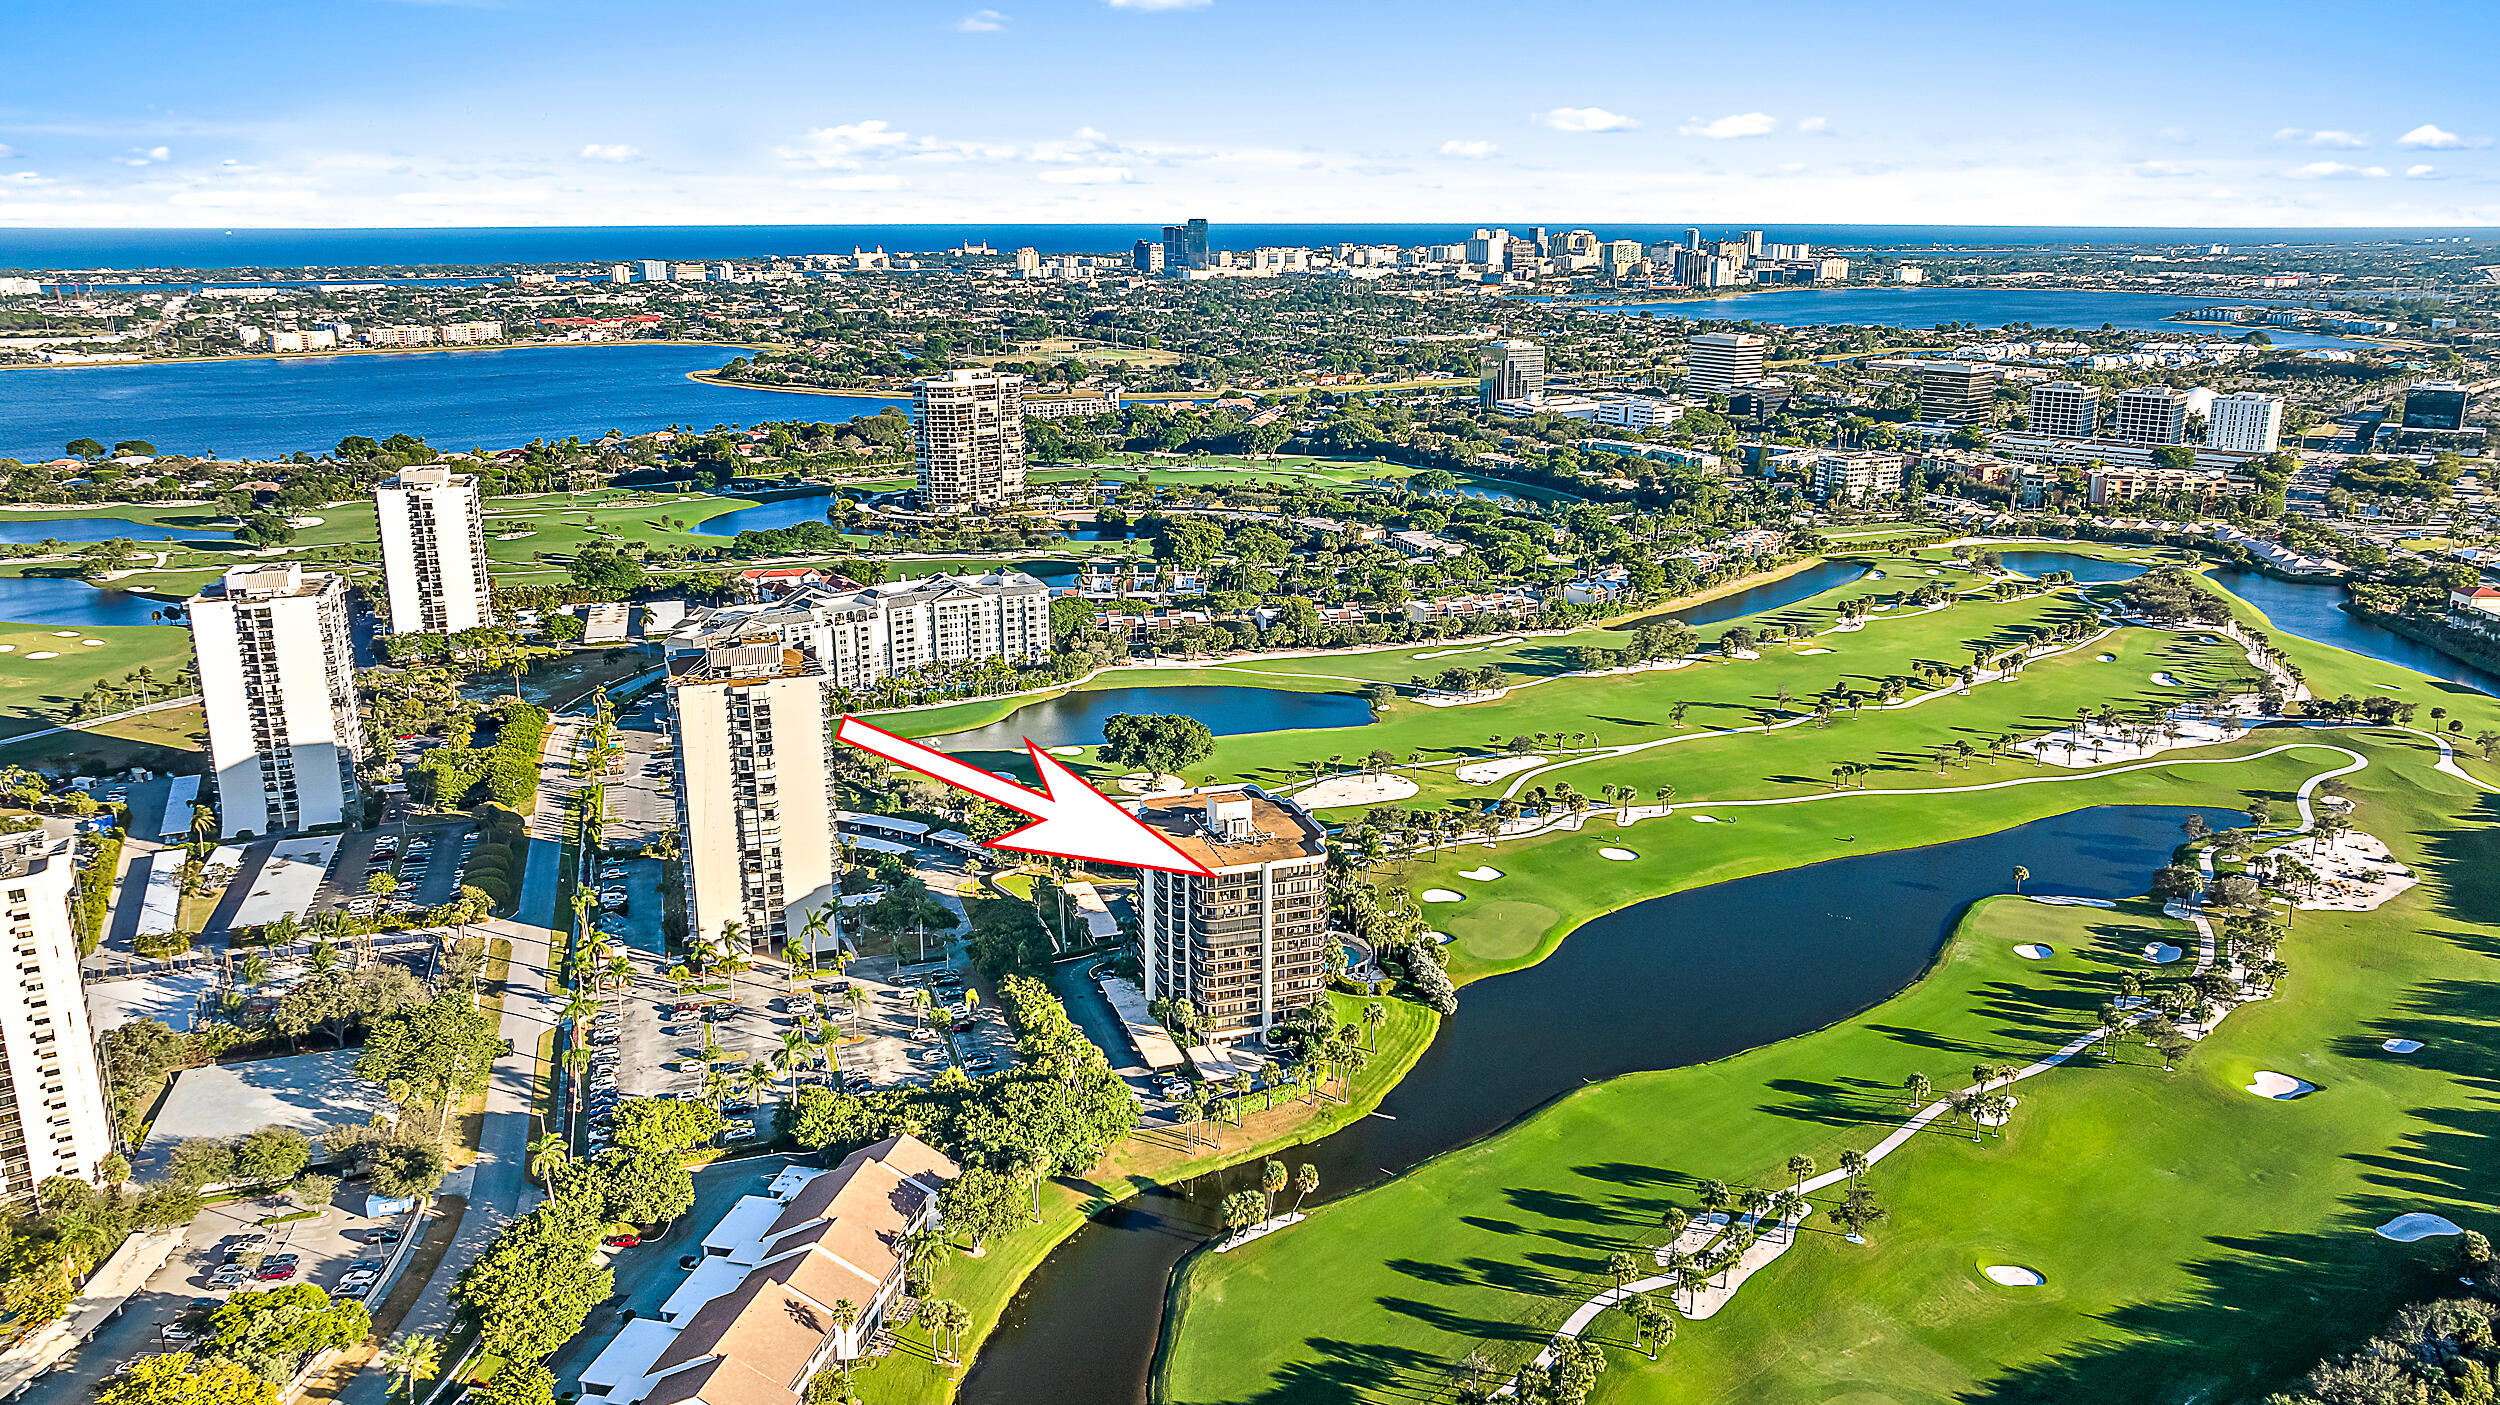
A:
{"points": [[2200, 1243], [36, 693]]}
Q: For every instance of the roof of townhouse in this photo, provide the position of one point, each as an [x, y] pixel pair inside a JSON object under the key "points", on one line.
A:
{"points": [[763, 1324], [881, 1184], [719, 1381]]}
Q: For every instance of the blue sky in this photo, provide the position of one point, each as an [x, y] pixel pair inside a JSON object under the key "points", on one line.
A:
{"points": [[499, 112]]}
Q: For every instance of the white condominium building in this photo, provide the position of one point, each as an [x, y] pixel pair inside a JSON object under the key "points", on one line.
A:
{"points": [[277, 678], [1853, 477], [53, 1117], [433, 529], [2151, 414], [2065, 410], [865, 635], [2247, 421], [1718, 362], [754, 776], [1248, 945], [968, 438]]}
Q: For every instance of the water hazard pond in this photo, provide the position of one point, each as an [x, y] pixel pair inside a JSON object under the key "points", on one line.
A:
{"points": [[1075, 719], [1675, 980]]}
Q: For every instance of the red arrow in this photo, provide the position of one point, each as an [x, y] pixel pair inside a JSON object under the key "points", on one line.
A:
{"points": [[1073, 820]]}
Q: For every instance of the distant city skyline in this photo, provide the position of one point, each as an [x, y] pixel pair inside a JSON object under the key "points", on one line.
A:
{"points": [[543, 112]]}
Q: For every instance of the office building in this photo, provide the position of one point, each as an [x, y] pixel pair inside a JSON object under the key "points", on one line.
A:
{"points": [[54, 1120], [968, 439], [654, 270], [1856, 476], [1247, 945], [1511, 370], [277, 680], [754, 799], [1759, 400], [433, 528], [1753, 243], [2065, 410], [2247, 422], [1692, 239], [1718, 362], [864, 635], [1638, 411], [2150, 414], [1958, 392], [1185, 247], [2435, 405], [1489, 248], [1146, 256]]}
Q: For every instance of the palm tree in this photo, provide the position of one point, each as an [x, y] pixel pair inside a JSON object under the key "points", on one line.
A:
{"points": [[410, 1356], [1715, 1196], [2022, 875], [797, 1051], [845, 1317], [946, 1320], [1800, 1167], [1853, 1165], [1272, 1180], [1918, 1087], [1621, 1266], [1305, 1180], [1375, 1015], [547, 1153]]}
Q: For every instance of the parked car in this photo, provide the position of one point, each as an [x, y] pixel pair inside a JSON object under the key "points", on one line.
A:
{"points": [[385, 1235], [353, 1292], [624, 1241], [276, 1273]]}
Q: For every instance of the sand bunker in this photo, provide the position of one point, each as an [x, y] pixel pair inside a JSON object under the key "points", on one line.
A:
{"points": [[2058, 900], [1618, 855], [2401, 1046], [1705, 819], [1814, 651], [1485, 772], [2160, 953], [1067, 751], [8, 648], [1139, 783], [65, 634], [2167, 681], [2033, 951], [91, 643], [1481, 875], [43, 654], [1442, 895], [2014, 1275], [1368, 788], [2109, 658], [2281, 1086], [2404, 1229]]}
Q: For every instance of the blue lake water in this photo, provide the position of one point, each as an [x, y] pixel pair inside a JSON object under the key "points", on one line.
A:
{"points": [[59, 600], [2090, 570], [1985, 307], [97, 529], [1771, 595], [1075, 719], [2314, 610], [491, 397]]}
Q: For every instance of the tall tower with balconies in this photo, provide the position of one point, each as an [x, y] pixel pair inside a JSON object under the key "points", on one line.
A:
{"points": [[278, 682]]}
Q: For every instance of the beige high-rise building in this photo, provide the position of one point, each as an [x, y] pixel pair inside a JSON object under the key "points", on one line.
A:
{"points": [[754, 787], [1510, 370], [2151, 414], [1248, 945], [2065, 410], [1958, 392], [433, 525], [278, 682], [54, 1120], [968, 438], [1718, 362]]}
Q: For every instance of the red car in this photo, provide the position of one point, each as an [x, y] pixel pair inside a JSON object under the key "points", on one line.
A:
{"points": [[276, 1272], [624, 1241]]}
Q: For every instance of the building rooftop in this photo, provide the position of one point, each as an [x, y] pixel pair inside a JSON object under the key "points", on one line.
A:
{"points": [[430, 475], [273, 581], [734, 664], [1276, 830]]}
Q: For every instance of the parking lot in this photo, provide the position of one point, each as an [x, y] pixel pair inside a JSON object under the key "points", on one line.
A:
{"points": [[424, 858], [161, 1315]]}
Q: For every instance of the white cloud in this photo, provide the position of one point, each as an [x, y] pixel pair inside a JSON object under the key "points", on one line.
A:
{"points": [[981, 22], [2343, 140], [2421, 172], [148, 157], [1814, 124], [1737, 124], [835, 146], [2164, 169], [1472, 150], [865, 180], [2430, 136], [1158, 4], [2175, 134], [609, 151], [8, 152], [1584, 119], [1087, 175], [2332, 170]]}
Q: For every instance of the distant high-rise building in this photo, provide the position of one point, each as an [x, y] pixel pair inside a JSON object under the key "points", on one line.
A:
{"points": [[1753, 243], [2150, 414], [1718, 362], [53, 1115], [1692, 239], [1958, 392], [621, 273], [1536, 238], [687, 273], [277, 680], [433, 529], [1185, 247], [2247, 421], [1147, 256], [1028, 259], [654, 270], [2435, 405], [1619, 255], [1512, 370], [1855, 475], [1489, 248], [754, 776], [1247, 945], [2065, 409], [968, 437]]}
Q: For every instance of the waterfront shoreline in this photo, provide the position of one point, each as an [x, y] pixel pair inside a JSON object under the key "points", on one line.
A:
{"points": [[344, 352]]}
